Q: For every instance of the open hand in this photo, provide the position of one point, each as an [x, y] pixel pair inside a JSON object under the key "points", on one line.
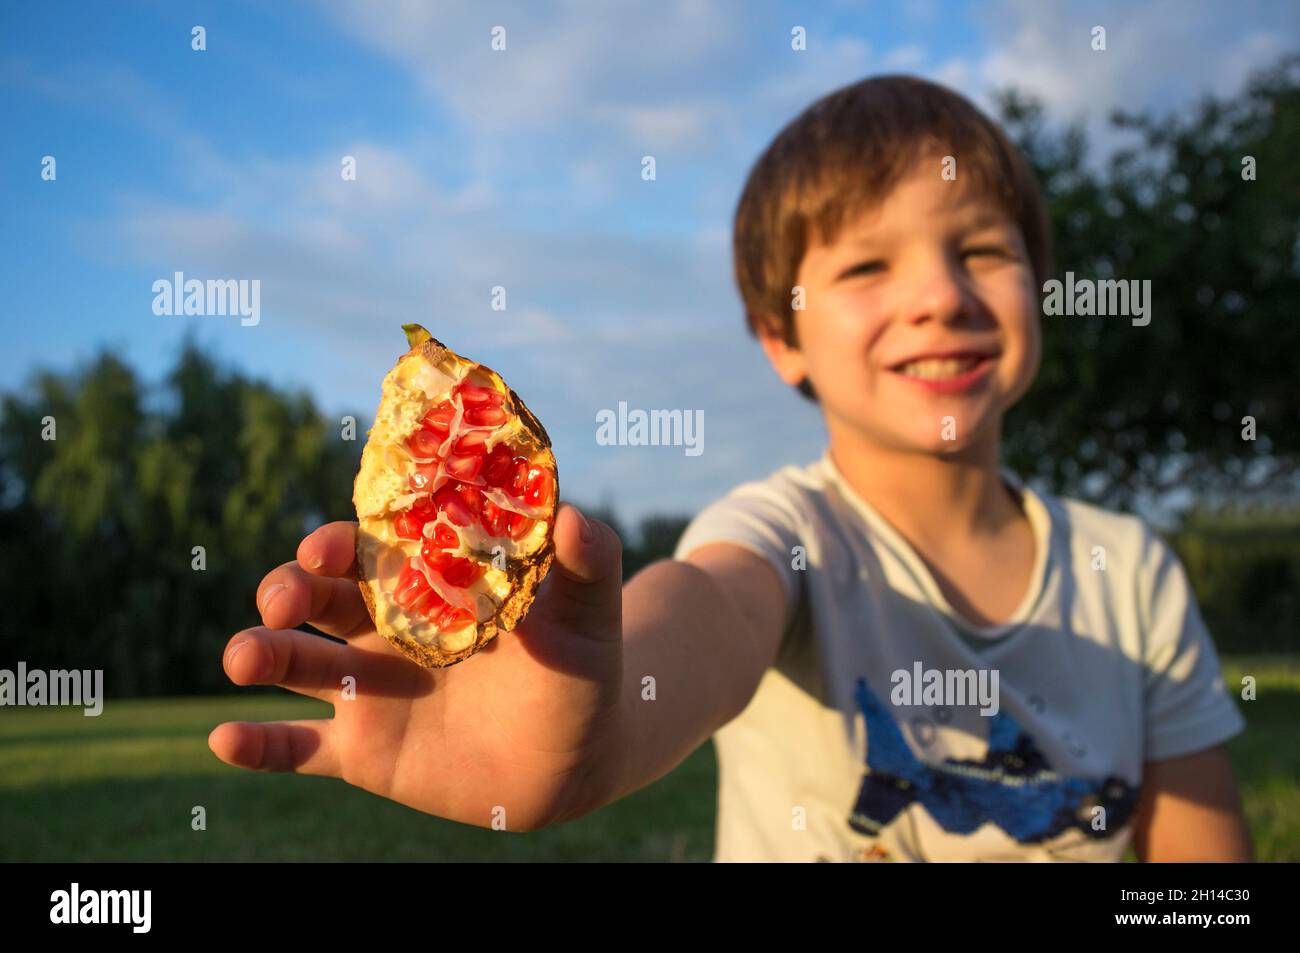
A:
{"points": [[526, 732]]}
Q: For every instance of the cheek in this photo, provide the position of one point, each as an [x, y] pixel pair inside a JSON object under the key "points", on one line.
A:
{"points": [[1022, 331], [1035, 349], [841, 326]]}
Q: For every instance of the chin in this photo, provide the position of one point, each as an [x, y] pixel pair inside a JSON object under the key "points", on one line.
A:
{"points": [[933, 444]]}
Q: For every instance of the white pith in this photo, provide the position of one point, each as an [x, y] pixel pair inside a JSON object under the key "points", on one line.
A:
{"points": [[382, 490]]}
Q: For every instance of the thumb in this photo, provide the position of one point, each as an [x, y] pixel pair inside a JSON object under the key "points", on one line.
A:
{"points": [[584, 592]]}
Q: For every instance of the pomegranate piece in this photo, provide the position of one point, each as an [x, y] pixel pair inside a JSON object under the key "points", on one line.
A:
{"points": [[450, 570]]}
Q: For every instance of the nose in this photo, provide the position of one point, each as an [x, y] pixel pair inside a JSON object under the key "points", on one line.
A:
{"points": [[939, 293]]}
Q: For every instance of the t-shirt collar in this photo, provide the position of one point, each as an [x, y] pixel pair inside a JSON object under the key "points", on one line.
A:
{"points": [[1035, 510]]}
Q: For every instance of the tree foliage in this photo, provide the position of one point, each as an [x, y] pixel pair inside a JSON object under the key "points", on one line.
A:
{"points": [[1120, 411], [102, 522]]}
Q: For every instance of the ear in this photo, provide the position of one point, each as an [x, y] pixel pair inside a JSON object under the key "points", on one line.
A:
{"points": [[787, 360]]}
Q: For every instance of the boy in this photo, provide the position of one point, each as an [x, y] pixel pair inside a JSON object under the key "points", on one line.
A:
{"points": [[904, 652]]}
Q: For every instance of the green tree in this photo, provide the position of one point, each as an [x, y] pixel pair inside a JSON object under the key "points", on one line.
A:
{"points": [[101, 524], [1119, 410]]}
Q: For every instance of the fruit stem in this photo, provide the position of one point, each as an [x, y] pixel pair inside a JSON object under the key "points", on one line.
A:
{"points": [[416, 335]]}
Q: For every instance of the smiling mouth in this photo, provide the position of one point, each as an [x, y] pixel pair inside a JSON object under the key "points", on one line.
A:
{"points": [[941, 368]]}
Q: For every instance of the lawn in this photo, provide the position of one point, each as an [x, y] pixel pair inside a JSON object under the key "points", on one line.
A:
{"points": [[123, 787]]}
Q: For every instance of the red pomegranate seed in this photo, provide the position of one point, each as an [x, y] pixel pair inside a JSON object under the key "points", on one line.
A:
{"points": [[486, 416], [461, 503], [439, 418], [518, 478], [471, 497], [520, 526], [456, 570], [537, 490], [411, 586], [495, 520], [424, 443], [449, 501], [473, 442], [410, 524], [464, 467], [416, 596], [450, 618], [422, 478], [408, 527], [444, 537], [433, 607], [498, 466], [472, 395]]}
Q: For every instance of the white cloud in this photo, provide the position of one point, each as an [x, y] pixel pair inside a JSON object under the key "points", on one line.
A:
{"points": [[791, 84], [617, 290], [558, 64], [903, 58], [1159, 55]]}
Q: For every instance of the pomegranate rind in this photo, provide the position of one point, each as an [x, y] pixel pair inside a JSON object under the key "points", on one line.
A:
{"points": [[524, 572]]}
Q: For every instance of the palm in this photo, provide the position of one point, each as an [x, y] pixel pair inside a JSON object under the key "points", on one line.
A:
{"points": [[520, 735], [504, 731]]}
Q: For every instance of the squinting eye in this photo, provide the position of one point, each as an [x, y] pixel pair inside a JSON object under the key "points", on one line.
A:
{"points": [[865, 268], [995, 250]]}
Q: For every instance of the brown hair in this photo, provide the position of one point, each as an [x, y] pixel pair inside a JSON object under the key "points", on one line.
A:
{"points": [[842, 156]]}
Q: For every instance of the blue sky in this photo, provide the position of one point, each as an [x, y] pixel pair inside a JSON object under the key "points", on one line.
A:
{"points": [[478, 168]]}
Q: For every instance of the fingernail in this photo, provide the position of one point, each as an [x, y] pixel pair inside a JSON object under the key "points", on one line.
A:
{"points": [[315, 562], [585, 532], [233, 652], [269, 596]]}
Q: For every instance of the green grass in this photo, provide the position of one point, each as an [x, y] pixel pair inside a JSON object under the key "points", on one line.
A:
{"points": [[122, 787], [1266, 756]]}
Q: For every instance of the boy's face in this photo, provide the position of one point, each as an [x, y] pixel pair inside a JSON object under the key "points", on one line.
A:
{"points": [[922, 309]]}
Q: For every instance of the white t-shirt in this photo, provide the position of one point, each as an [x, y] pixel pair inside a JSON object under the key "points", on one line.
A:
{"points": [[1105, 664]]}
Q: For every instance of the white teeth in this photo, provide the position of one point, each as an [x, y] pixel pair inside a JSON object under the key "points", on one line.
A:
{"points": [[938, 369]]}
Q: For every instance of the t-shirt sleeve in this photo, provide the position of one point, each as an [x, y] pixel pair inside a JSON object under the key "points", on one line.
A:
{"points": [[1188, 707], [757, 517]]}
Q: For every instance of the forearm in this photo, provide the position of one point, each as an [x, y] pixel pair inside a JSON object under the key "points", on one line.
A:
{"points": [[687, 670]]}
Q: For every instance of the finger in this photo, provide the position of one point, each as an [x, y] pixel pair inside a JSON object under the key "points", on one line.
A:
{"points": [[288, 596], [303, 747], [330, 550], [584, 592], [299, 661]]}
